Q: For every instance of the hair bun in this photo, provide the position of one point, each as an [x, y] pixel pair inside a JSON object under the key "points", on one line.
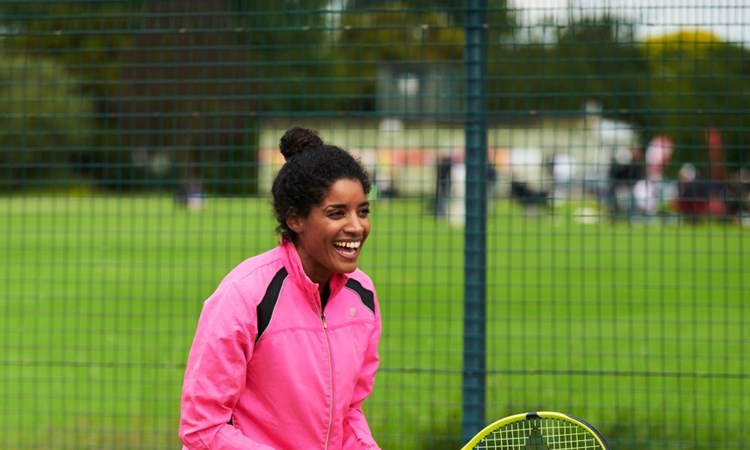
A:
{"points": [[297, 140]]}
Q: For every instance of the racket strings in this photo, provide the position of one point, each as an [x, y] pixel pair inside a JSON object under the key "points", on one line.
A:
{"points": [[539, 434]]}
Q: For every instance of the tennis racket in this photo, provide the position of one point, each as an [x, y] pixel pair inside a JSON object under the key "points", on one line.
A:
{"points": [[543, 430]]}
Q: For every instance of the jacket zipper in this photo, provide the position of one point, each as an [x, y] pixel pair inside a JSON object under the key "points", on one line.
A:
{"points": [[330, 377]]}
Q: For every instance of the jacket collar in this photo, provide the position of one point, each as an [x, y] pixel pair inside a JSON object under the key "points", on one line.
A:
{"points": [[293, 264]]}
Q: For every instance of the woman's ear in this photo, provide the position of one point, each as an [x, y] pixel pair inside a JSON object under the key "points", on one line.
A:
{"points": [[294, 222]]}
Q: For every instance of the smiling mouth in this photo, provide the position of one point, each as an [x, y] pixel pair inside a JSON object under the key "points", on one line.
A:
{"points": [[347, 247]]}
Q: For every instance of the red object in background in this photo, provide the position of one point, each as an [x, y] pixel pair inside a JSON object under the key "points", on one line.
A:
{"points": [[716, 154], [713, 207]]}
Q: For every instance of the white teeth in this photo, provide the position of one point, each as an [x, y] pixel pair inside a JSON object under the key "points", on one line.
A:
{"points": [[353, 245]]}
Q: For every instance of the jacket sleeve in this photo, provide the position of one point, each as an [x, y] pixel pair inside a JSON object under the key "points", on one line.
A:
{"points": [[215, 374], [357, 434]]}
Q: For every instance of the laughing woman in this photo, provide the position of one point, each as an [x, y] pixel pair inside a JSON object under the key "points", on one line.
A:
{"points": [[285, 351]]}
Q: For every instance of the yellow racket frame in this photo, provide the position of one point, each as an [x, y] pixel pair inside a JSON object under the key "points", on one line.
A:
{"points": [[489, 429]]}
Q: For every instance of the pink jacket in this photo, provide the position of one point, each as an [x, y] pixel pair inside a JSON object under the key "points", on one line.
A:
{"points": [[300, 383]]}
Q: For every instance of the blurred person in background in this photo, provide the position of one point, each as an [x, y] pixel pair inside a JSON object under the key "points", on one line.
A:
{"points": [[626, 168]]}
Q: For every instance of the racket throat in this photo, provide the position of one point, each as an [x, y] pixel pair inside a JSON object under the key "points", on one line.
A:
{"points": [[535, 441]]}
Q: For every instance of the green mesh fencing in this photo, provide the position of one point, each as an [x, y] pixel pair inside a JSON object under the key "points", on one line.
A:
{"points": [[560, 210]]}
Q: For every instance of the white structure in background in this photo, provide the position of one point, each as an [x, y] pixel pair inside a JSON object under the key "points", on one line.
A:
{"points": [[611, 134], [565, 157], [564, 170], [527, 164], [457, 204], [391, 125]]}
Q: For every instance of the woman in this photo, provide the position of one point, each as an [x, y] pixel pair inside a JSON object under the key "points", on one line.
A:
{"points": [[285, 350]]}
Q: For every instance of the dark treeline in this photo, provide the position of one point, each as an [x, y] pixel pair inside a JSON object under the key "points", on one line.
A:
{"points": [[188, 80]]}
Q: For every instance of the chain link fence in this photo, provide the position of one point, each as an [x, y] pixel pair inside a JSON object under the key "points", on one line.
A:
{"points": [[560, 206]]}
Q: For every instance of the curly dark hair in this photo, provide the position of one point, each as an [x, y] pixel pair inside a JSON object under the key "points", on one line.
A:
{"points": [[311, 168]]}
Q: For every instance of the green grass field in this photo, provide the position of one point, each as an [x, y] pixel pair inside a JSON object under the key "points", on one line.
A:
{"points": [[640, 329]]}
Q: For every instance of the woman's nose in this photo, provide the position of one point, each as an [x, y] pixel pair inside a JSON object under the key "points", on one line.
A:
{"points": [[354, 224]]}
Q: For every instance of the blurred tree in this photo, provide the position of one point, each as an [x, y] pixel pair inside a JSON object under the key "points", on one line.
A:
{"points": [[44, 119], [605, 64], [391, 33], [591, 59], [85, 36], [186, 90], [289, 41], [699, 82], [500, 16]]}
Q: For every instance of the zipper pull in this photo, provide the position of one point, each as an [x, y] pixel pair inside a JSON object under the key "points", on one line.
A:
{"points": [[323, 318]]}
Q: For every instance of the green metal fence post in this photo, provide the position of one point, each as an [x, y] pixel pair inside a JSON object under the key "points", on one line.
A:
{"points": [[475, 123]]}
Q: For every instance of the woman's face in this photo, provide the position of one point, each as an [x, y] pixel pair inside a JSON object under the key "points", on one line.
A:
{"points": [[331, 237]]}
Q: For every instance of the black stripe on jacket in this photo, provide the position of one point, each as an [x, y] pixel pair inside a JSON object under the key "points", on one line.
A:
{"points": [[265, 308], [366, 296]]}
